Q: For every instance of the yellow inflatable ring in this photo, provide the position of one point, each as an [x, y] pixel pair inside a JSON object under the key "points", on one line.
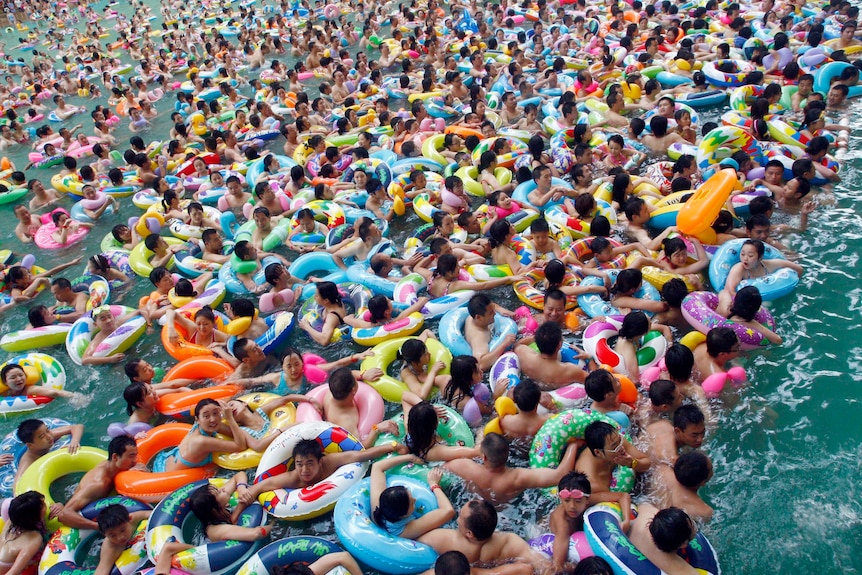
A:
{"points": [[388, 387], [282, 417]]}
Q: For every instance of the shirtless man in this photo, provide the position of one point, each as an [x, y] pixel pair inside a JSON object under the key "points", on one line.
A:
{"points": [[722, 345], [61, 288], [660, 139], [359, 248], [677, 486], [312, 465], [27, 225], [97, 483], [497, 483], [477, 539], [638, 214], [213, 247], [606, 449], [545, 365], [660, 534], [527, 422], [39, 440], [544, 191], [477, 330], [665, 438]]}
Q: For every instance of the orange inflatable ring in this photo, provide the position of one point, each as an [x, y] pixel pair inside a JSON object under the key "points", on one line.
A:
{"points": [[153, 487], [154, 295], [182, 404], [581, 249], [200, 368], [184, 349], [464, 132]]}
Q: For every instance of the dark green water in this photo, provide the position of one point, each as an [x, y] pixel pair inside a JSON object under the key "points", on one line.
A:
{"points": [[786, 452]]}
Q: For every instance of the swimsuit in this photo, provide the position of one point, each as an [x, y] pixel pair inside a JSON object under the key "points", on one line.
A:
{"points": [[263, 431], [178, 458]]}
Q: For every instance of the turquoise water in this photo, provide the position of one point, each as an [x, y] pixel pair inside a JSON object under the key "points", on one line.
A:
{"points": [[786, 452]]}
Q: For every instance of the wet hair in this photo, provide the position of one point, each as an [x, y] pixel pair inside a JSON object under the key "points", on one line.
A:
{"points": [[478, 305], [133, 394], [600, 227], [599, 384], [691, 469], [119, 444], [35, 316], [242, 307], [596, 434], [25, 511], [671, 529], [661, 392], [679, 361], [482, 520], [421, 429], [673, 292], [555, 294], [412, 350], [720, 340], [633, 207], [688, 415], [112, 516], [527, 395], [27, 430], [308, 448], [759, 247], [206, 508], [498, 232], [495, 448], [747, 303], [461, 384], [446, 264], [594, 565], [394, 504], [341, 383], [549, 335], [627, 280], [575, 480], [329, 292], [452, 563]]}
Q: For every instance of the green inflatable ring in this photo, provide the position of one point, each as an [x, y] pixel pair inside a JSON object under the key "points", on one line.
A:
{"points": [[453, 430], [547, 448]]}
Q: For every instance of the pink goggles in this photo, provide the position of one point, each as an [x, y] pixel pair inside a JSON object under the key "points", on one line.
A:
{"points": [[573, 494]]}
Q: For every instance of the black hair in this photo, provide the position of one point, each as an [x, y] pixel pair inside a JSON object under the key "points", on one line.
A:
{"points": [[25, 511], [596, 434], [452, 563], [673, 292], [527, 395], [112, 516], [688, 415], [691, 469], [599, 384], [119, 444], [341, 383], [461, 384], [671, 529], [27, 429], [661, 392]]}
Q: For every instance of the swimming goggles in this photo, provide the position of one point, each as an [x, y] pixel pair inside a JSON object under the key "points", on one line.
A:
{"points": [[574, 493]]}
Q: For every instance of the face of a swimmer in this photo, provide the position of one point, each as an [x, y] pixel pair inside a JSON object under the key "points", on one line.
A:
{"points": [[120, 535], [204, 326], [209, 417], [308, 468], [235, 188], [105, 321], [293, 366], [665, 108], [544, 181], [574, 507], [42, 439], [555, 310], [679, 258], [261, 220], [748, 256], [127, 460], [692, 435], [759, 233]]}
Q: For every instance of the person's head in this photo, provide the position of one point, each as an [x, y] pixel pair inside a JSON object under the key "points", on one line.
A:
{"points": [[396, 503], [481, 309], [422, 428], [527, 395], [602, 386], [637, 211], [342, 383], [115, 523], [603, 439], [549, 338], [664, 395], [722, 344], [465, 375], [574, 490], [602, 249], [477, 520], [554, 306], [746, 303], [689, 426], [628, 281], [209, 504], [594, 565], [692, 469], [452, 563], [672, 529], [751, 253], [679, 361], [123, 452], [35, 435], [635, 325], [306, 458], [495, 450]]}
